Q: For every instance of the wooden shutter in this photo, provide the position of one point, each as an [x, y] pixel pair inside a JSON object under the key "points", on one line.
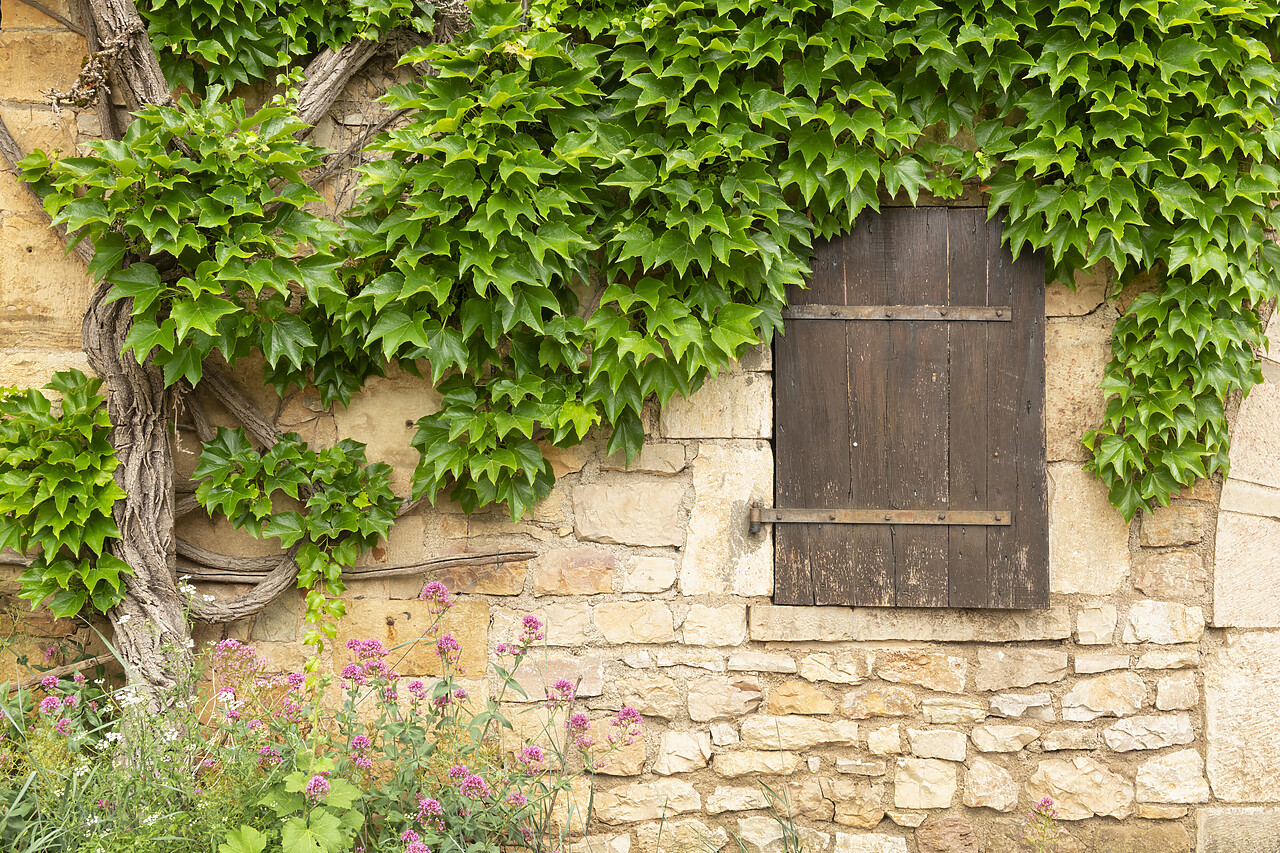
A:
{"points": [[911, 379]]}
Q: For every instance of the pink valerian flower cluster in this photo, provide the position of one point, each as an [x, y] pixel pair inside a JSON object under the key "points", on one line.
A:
{"points": [[515, 798], [360, 744], [416, 847], [63, 726], [626, 724], [417, 690], [475, 787], [270, 756], [578, 726], [532, 759], [430, 813], [457, 771], [437, 597], [448, 649], [317, 789], [49, 682], [1043, 832], [447, 698], [409, 836], [369, 664], [50, 705], [530, 633], [560, 694]]}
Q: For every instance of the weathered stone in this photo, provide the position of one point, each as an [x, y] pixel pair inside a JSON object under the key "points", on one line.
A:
{"points": [[503, 579], [763, 732], [410, 622], [582, 570], [755, 762], [858, 767], [1163, 623], [885, 741], [1001, 669], [1088, 539], [636, 622], [1061, 739], [1172, 525], [1131, 838], [606, 843], [1174, 778], [1170, 575], [908, 819], [1184, 658], [1116, 695], [771, 622], [867, 843], [538, 673], [845, 667], [33, 368], [383, 415], [279, 621], [722, 699], [1246, 570], [565, 622], [1076, 354], [1095, 623], [988, 785], [934, 670], [1250, 498], [653, 695], [1086, 664], [1081, 787], [1255, 441], [1177, 692], [748, 661], [18, 15], [1150, 731], [1238, 829], [1035, 706], [33, 61], [736, 405], [736, 800], [722, 557], [650, 574], [715, 626], [857, 802], [653, 459], [41, 302], [676, 656], [631, 511], [760, 834], [688, 835], [951, 711], [682, 752], [799, 697], [564, 460], [1154, 811], [1242, 699], [646, 801], [924, 783], [1002, 738], [724, 734], [619, 758], [937, 743], [806, 797], [878, 702], [950, 834]]}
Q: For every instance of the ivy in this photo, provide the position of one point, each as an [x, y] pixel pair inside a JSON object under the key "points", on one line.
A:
{"points": [[57, 494]]}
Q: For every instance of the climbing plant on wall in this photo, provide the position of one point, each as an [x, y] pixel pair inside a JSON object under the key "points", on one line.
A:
{"points": [[586, 207]]}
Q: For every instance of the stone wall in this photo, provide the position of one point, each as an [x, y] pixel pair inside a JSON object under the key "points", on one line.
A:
{"points": [[1144, 701]]}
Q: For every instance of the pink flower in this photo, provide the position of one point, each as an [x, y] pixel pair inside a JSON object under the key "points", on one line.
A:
{"points": [[628, 722], [270, 755], [532, 759], [296, 679], [515, 798], [49, 682], [560, 693], [409, 836], [474, 787], [457, 771], [70, 701], [367, 649], [437, 596], [354, 673], [78, 678], [364, 762], [448, 648], [360, 742], [532, 632], [577, 726], [317, 789], [63, 726], [459, 694], [430, 813], [417, 690], [50, 705], [416, 847]]}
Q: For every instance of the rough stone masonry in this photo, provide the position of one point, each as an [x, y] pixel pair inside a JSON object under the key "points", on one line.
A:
{"points": [[1145, 701]]}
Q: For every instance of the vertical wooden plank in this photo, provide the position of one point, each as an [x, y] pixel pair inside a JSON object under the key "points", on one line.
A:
{"points": [[811, 420], [917, 412], [967, 480], [869, 251]]}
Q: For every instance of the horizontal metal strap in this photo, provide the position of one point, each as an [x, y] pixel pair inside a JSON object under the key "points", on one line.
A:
{"points": [[981, 313], [977, 518]]}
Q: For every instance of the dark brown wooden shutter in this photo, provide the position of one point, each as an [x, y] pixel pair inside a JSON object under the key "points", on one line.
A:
{"points": [[911, 379]]}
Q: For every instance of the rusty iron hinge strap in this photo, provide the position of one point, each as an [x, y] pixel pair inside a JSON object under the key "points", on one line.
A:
{"points": [[763, 515], [982, 313]]}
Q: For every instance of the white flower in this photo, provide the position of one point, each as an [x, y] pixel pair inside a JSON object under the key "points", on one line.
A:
{"points": [[207, 597]]}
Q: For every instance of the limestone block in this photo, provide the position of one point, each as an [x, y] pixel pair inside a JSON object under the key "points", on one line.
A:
{"points": [[724, 734], [749, 661], [858, 802], [279, 621], [410, 622], [653, 695], [1150, 731], [650, 574], [626, 510], [951, 711], [1100, 663], [735, 800], [612, 755], [886, 740], [948, 834], [682, 752], [1088, 539], [564, 460], [1061, 739], [580, 570], [1115, 695], [1170, 659], [867, 843], [653, 459], [1173, 525], [1177, 692], [924, 783], [1152, 811], [1255, 441], [1238, 829], [33, 126], [43, 293], [798, 697], [1137, 838], [715, 626], [1242, 699], [1174, 778], [1095, 623], [636, 622], [1250, 498], [755, 762], [1076, 355], [32, 61], [18, 15], [723, 698], [565, 623], [934, 670], [988, 785], [836, 624], [689, 835], [797, 732], [1000, 669], [1080, 788], [878, 702], [1002, 738], [722, 557], [383, 415], [843, 667], [1246, 571], [1171, 575], [503, 579], [645, 801], [538, 673], [1035, 706], [34, 368], [937, 743], [1164, 623], [858, 767], [736, 405], [760, 834], [810, 797], [907, 819], [696, 658]]}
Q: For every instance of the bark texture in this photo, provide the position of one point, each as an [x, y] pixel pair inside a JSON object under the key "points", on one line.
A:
{"points": [[135, 73]]}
